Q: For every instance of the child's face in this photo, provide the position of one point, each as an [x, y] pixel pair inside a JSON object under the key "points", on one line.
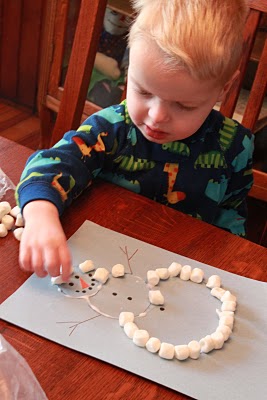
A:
{"points": [[166, 105]]}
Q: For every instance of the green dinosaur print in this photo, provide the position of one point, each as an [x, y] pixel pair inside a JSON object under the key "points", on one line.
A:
{"points": [[132, 136], [39, 161], [85, 128], [111, 114], [212, 159], [132, 164], [227, 133], [177, 148], [24, 180], [120, 180], [127, 116]]}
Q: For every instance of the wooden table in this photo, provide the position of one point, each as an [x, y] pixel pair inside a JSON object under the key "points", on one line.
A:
{"points": [[66, 374]]}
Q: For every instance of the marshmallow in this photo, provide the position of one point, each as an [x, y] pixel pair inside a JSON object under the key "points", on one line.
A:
{"points": [[18, 233], [228, 296], [130, 328], [140, 337], [117, 270], [218, 339], [225, 330], [166, 351], [101, 275], [153, 345], [181, 352], [224, 313], [217, 292], [152, 278], [194, 349], [206, 344], [86, 266], [3, 230], [228, 321], [8, 221], [228, 306], [197, 275], [125, 317], [19, 220], [174, 269], [185, 272], [214, 281], [15, 211], [57, 280], [155, 297], [4, 208], [163, 273]]}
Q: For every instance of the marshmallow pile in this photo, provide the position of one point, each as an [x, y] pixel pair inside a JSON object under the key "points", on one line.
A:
{"points": [[194, 348], [10, 220]]}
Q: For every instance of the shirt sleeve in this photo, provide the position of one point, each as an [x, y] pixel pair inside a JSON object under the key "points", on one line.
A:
{"points": [[232, 214], [62, 173]]}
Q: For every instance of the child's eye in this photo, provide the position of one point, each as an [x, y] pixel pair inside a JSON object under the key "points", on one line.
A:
{"points": [[143, 92], [185, 108]]}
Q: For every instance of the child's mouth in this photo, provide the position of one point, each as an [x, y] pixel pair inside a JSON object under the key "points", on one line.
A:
{"points": [[155, 133]]}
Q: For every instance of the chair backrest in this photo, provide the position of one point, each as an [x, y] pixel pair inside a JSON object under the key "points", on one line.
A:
{"points": [[83, 55], [257, 93]]}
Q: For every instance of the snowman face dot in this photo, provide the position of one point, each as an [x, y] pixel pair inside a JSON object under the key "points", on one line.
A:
{"points": [[129, 298], [114, 294], [162, 308]]}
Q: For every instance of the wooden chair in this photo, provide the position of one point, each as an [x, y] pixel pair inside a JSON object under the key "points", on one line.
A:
{"points": [[81, 63]]}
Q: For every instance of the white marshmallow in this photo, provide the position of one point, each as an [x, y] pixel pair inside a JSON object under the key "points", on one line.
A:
{"points": [[15, 211], [130, 328], [18, 233], [206, 344], [101, 275], [228, 321], [163, 273], [228, 296], [181, 352], [185, 272], [152, 277], [225, 330], [228, 306], [214, 281], [174, 269], [140, 337], [166, 351], [153, 345], [197, 275], [19, 221], [8, 221], [57, 280], [218, 339], [217, 292], [224, 313], [3, 230], [126, 316], [155, 297], [194, 349], [4, 208], [118, 270], [86, 266]]}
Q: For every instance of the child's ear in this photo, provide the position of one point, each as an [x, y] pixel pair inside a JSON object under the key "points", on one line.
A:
{"points": [[233, 80]]}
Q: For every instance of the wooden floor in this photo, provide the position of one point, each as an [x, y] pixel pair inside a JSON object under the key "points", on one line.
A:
{"points": [[20, 125]]}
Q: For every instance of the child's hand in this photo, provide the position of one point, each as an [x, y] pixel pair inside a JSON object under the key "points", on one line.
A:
{"points": [[43, 246]]}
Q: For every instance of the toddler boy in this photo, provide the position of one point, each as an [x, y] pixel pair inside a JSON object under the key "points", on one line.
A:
{"points": [[165, 141]]}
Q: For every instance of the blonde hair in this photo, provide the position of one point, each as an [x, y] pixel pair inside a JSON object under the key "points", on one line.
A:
{"points": [[202, 36]]}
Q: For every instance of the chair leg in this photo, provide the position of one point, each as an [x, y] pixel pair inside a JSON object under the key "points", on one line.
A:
{"points": [[46, 126]]}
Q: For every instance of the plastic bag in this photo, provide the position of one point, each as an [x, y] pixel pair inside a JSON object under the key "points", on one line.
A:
{"points": [[17, 381], [5, 184]]}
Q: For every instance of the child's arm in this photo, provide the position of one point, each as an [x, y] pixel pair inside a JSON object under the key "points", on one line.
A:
{"points": [[43, 247]]}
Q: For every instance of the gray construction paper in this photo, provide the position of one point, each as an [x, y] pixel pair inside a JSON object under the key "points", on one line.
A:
{"points": [[237, 371]]}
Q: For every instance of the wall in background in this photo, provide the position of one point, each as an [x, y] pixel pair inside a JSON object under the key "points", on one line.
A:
{"points": [[20, 35]]}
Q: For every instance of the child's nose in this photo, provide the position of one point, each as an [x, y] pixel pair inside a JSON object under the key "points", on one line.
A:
{"points": [[158, 111]]}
